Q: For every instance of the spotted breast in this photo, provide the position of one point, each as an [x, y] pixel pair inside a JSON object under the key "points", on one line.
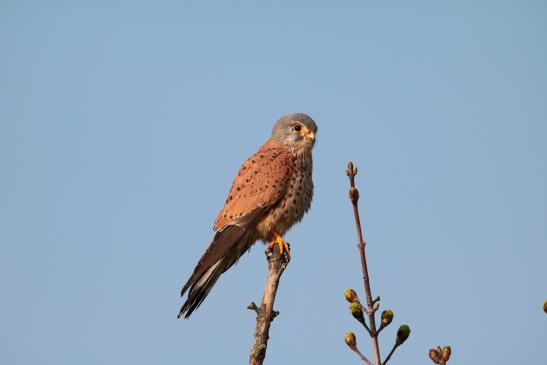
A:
{"points": [[296, 200]]}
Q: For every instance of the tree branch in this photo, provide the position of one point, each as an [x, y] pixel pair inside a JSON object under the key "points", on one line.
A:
{"points": [[354, 197], [265, 313]]}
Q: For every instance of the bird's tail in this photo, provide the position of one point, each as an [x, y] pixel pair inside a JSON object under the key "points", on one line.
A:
{"points": [[225, 250], [200, 289]]}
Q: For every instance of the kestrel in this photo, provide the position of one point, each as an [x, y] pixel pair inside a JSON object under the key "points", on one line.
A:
{"points": [[271, 192]]}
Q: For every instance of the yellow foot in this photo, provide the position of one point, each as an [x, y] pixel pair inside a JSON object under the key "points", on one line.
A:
{"points": [[284, 247]]}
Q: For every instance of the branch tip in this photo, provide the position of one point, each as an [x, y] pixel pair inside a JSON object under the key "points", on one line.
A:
{"points": [[440, 355], [252, 306]]}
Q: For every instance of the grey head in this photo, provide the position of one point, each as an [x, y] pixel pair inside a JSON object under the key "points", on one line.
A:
{"points": [[295, 130]]}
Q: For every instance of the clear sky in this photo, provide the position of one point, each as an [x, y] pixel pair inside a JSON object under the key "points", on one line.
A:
{"points": [[122, 124]]}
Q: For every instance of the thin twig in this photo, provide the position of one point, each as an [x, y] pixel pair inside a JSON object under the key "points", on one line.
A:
{"points": [[395, 345], [379, 329], [252, 306], [265, 314], [363, 357], [367, 328], [354, 197]]}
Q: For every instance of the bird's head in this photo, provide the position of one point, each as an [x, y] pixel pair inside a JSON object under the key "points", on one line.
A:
{"points": [[295, 130]]}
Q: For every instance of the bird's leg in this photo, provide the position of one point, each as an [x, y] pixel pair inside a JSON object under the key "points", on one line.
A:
{"points": [[284, 247]]}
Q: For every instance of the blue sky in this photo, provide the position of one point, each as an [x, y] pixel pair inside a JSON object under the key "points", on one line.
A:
{"points": [[123, 123]]}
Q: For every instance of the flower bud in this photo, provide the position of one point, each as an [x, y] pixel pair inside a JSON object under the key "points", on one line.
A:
{"points": [[402, 334], [435, 355], [351, 296], [357, 311], [350, 340], [353, 195], [446, 352], [387, 317]]}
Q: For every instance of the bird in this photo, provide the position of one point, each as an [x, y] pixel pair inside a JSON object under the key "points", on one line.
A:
{"points": [[271, 192]]}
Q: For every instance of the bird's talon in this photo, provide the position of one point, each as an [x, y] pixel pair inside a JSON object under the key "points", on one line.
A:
{"points": [[270, 248], [284, 247]]}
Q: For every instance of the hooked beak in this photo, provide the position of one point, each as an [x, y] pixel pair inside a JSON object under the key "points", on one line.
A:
{"points": [[308, 134]]}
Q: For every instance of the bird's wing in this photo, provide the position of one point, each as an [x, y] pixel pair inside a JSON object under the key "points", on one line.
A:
{"points": [[259, 184]]}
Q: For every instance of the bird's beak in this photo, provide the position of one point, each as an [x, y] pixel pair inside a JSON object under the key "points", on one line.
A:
{"points": [[306, 133]]}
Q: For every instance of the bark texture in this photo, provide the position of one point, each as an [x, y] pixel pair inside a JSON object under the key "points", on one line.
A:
{"points": [[265, 313]]}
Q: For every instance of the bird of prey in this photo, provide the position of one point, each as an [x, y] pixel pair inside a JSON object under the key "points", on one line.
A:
{"points": [[271, 192]]}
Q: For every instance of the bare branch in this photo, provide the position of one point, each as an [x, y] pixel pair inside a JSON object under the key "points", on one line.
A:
{"points": [[265, 314]]}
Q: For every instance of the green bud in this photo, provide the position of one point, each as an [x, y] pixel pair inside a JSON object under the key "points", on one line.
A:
{"points": [[357, 311], [402, 334], [387, 317], [351, 296], [446, 352], [350, 340]]}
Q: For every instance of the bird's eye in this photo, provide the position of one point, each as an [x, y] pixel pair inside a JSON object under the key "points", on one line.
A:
{"points": [[298, 127]]}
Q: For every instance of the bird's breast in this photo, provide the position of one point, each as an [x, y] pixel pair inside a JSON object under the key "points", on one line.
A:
{"points": [[296, 200]]}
